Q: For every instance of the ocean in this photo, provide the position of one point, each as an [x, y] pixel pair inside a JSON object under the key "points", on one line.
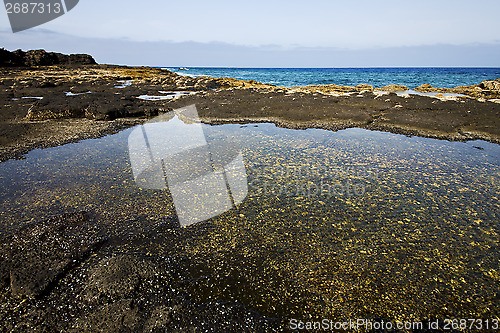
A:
{"points": [[443, 77]]}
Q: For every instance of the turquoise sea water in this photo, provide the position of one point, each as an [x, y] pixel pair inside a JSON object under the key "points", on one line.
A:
{"points": [[378, 77]]}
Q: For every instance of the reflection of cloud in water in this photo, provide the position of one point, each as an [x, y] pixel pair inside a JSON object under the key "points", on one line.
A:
{"points": [[167, 95], [69, 93], [205, 179], [123, 84], [28, 97]]}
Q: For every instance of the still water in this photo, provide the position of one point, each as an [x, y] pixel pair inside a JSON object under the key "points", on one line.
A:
{"points": [[347, 224]]}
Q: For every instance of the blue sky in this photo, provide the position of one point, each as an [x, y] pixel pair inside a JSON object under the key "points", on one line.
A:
{"points": [[351, 32]]}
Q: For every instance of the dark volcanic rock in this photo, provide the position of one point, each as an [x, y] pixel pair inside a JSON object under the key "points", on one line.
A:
{"points": [[35, 258], [10, 59], [80, 59], [42, 58]]}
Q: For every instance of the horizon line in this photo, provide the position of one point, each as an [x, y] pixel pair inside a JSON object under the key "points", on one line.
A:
{"points": [[340, 67]]}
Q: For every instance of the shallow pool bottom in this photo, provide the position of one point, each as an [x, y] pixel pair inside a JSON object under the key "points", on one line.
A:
{"points": [[347, 224]]}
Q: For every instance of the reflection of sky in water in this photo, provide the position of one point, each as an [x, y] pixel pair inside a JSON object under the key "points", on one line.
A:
{"points": [[384, 163], [349, 223]]}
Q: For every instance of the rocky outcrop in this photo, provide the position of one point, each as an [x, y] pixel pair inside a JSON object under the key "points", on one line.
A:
{"points": [[485, 90], [107, 92], [363, 87], [493, 86], [327, 89], [426, 87], [393, 88], [42, 58], [10, 59]]}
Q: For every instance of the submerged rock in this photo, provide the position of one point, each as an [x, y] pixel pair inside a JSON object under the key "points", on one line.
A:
{"points": [[118, 276], [121, 316], [137, 293], [36, 257], [56, 277]]}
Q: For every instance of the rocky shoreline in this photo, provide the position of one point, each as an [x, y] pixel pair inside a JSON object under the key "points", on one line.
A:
{"points": [[48, 106], [69, 273]]}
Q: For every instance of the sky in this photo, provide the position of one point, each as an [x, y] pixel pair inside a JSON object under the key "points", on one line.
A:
{"points": [[273, 33]]}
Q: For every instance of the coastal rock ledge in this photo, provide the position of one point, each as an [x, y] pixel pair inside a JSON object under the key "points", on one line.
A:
{"points": [[32, 58], [491, 85]]}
